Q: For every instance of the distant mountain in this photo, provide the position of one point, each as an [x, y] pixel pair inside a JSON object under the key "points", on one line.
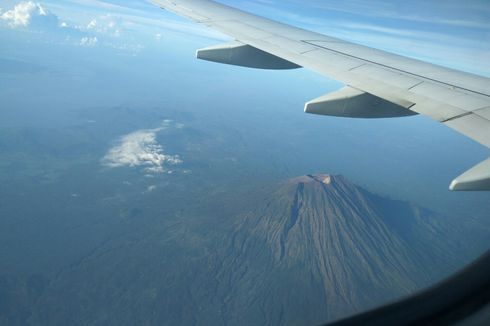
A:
{"points": [[308, 250], [320, 247]]}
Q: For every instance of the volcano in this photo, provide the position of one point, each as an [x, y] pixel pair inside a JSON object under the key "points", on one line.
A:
{"points": [[301, 252], [319, 248]]}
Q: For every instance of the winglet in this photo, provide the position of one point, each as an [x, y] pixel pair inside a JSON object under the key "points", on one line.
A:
{"points": [[475, 179]]}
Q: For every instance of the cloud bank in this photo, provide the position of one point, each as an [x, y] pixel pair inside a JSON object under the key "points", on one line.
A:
{"points": [[29, 13], [140, 148], [35, 17], [28, 16]]}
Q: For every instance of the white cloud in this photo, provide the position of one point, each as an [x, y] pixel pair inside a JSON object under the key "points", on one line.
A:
{"points": [[151, 188], [107, 25], [29, 16], [89, 41], [131, 18], [140, 148], [33, 16], [23, 13], [92, 24]]}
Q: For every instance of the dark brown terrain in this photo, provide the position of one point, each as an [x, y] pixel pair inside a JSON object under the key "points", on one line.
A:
{"points": [[320, 247], [301, 252]]}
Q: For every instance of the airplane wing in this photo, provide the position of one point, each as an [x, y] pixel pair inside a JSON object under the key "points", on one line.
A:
{"points": [[378, 84]]}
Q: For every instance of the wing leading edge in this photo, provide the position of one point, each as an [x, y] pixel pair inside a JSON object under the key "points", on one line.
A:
{"points": [[378, 83]]}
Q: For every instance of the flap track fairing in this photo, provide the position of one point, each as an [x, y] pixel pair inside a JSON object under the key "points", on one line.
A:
{"points": [[353, 103], [240, 54]]}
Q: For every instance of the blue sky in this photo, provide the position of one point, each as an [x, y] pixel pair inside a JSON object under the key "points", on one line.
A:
{"points": [[444, 32]]}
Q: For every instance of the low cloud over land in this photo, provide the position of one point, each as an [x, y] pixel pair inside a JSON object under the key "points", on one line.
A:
{"points": [[141, 148]]}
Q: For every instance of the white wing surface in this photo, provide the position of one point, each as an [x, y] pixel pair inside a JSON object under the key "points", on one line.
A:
{"points": [[378, 83]]}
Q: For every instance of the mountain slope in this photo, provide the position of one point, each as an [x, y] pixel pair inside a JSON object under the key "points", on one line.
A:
{"points": [[309, 250], [319, 248]]}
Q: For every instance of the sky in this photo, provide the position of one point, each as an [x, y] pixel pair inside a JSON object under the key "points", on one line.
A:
{"points": [[444, 32], [101, 53]]}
